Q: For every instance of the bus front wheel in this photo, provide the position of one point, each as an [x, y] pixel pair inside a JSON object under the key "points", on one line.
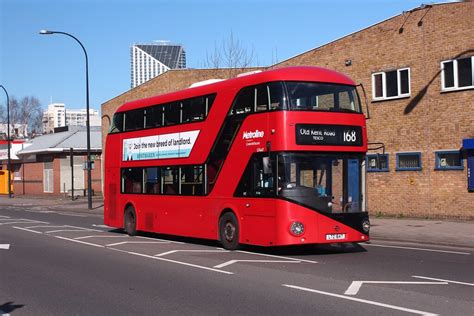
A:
{"points": [[229, 231], [130, 221]]}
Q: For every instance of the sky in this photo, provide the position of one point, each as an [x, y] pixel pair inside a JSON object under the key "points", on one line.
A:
{"points": [[52, 67]]}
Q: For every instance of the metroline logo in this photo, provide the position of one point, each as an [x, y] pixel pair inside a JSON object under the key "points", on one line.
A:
{"points": [[252, 135]]}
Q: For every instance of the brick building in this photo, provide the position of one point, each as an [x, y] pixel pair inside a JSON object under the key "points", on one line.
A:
{"points": [[417, 69], [44, 166]]}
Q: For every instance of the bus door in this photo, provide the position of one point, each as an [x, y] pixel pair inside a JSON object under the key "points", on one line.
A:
{"points": [[257, 186], [255, 199]]}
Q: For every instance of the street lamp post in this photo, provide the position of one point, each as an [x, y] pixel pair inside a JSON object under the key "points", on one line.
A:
{"points": [[8, 143], [88, 128]]}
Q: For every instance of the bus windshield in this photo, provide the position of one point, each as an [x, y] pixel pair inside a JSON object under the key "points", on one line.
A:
{"points": [[313, 96], [327, 183]]}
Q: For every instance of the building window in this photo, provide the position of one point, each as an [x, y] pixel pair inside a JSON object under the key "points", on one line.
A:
{"points": [[48, 176], [408, 161], [457, 74], [391, 84], [448, 160], [373, 166]]}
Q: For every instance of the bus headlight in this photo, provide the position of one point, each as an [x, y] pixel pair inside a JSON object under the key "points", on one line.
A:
{"points": [[366, 225], [297, 228]]}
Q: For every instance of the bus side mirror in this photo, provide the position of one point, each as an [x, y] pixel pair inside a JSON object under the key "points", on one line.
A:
{"points": [[367, 113]]}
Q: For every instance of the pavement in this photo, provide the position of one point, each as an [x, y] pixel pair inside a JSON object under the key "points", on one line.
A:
{"points": [[411, 230]]}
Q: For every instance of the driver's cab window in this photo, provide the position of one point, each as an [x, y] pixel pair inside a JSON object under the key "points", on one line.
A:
{"points": [[258, 179]]}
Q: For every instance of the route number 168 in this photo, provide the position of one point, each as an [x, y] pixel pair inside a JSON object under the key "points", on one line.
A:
{"points": [[350, 136]]}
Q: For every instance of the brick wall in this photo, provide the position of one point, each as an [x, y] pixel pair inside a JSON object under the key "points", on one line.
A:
{"points": [[32, 178]]}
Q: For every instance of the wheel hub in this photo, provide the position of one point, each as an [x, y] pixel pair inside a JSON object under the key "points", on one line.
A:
{"points": [[229, 231]]}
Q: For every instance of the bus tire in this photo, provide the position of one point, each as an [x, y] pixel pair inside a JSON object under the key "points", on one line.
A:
{"points": [[229, 231], [130, 221]]}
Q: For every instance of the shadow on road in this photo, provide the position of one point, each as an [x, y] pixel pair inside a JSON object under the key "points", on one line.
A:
{"points": [[9, 307]]}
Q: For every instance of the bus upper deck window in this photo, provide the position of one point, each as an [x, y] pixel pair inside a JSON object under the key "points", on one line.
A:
{"points": [[277, 96], [154, 116], [194, 110], [172, 113], [244, 102], [134, 120], [117, 123]]}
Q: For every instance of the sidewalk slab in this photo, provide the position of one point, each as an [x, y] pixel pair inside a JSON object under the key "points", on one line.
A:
{"points": [[437, 232]]}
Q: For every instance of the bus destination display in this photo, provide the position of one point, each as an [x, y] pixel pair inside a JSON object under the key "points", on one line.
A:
{"points": [[337, 135]]}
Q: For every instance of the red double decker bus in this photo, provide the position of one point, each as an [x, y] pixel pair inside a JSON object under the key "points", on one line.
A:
{"points": [[271, 158]]}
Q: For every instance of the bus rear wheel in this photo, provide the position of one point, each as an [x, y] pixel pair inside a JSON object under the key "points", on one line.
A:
{"points": [[130, 221], [229, 231]]}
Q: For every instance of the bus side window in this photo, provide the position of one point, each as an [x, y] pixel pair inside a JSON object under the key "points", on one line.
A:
{"points": [[132, 180], [277, 96], [172, 113], [192, 180], [134, 120], [117, 123], [170, 177], [154, 116], [261, 98], [153, 180], [194, 109], [244, 102]]}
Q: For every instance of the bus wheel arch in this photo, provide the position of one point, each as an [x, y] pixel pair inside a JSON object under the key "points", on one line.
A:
{"points": [[130, 220], [229, 230]]}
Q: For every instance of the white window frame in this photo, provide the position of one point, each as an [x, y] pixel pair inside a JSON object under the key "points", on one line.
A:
{"points": [[455, 74], [384, 85], [48, 178]]}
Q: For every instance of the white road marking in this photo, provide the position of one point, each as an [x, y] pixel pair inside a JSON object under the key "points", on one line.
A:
{"points": [[3, 216], [80, 242], [172, 261], [449, 281], [354, 288], [138, 242], [403, 309], [174, 251], [28, 230], [99, 236], [22, 221], [5, 246], [101, 226], [65, 230], [225, 264], [420, 249], [273, 256], [72, 214], [171, 241]]}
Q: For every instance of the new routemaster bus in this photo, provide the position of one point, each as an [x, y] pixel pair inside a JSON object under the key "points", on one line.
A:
{"points": [[271, 158]]}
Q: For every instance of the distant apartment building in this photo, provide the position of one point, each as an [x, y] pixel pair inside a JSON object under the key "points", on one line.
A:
{"points": [[58, 116], [153, 59]]}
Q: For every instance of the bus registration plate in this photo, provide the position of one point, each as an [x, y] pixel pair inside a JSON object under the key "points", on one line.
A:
{"points": [[335, 236]]}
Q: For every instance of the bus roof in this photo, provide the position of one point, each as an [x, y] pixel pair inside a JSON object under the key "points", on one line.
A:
{"points": [[302, 73]]}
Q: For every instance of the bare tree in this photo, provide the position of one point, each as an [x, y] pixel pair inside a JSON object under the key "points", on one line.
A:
{"points": [[230, 54], [27, 111]]}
